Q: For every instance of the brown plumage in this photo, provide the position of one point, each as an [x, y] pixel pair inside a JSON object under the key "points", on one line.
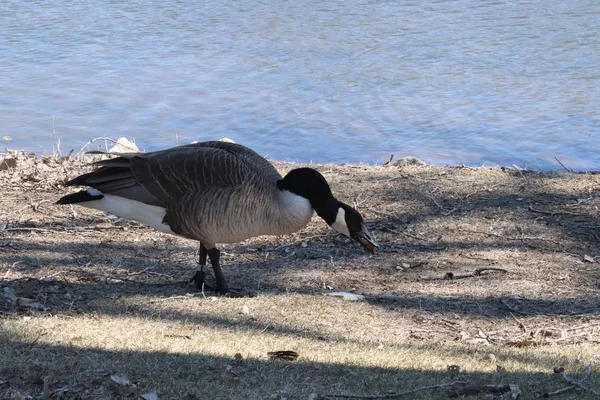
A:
{"points": [[213, 192]]}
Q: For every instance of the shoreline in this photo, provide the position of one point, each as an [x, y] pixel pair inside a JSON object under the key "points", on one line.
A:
{"points": [[10, 158], [123, 144]]}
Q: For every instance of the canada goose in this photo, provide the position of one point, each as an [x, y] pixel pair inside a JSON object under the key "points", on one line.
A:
{"points": [[214, 192]]}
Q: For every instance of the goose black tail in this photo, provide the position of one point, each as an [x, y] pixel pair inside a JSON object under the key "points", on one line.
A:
{"points": [[80, 180], [79, 197]]}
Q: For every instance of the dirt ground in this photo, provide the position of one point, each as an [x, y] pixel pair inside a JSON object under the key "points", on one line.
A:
{"points": [[498, 263]]}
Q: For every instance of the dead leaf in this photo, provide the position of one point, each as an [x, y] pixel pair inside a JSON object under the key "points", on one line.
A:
{"points": [[589, 258], [149, 396], [25, 302], [287, 355], [8, 163], [9, 293], [124, 145], [238, 358], [453, 369], [121, 380], [515, 392], [523, 343], [238, 366]]}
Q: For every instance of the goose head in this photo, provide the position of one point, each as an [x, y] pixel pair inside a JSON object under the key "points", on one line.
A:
{"points": [[310, 184]]}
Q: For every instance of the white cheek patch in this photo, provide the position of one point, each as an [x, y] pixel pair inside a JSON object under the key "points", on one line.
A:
{"points": [[340, 222]]}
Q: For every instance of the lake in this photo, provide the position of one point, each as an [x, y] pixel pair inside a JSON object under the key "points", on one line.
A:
{"points": [[451, 82]]}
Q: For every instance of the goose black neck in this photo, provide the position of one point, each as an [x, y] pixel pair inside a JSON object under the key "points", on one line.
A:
{"points": [[310, 184]]}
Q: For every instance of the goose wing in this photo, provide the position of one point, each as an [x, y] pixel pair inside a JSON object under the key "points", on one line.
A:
{"points": [[161, 177]]}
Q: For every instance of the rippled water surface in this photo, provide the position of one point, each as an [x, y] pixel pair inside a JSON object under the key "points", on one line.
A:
{"points": [[451, 82]]}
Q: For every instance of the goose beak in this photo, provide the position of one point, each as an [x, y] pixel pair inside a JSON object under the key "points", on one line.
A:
{"points": [[367, 240]]}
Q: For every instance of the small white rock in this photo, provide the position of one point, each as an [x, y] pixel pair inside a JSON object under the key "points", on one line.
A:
{"points": [[347, 296]]}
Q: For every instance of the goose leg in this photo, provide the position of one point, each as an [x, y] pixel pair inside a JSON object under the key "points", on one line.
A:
{"points": [[199, 276], [214, 255], [202, 256]]}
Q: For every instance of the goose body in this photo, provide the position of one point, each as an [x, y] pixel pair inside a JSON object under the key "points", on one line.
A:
{"points": [[213, 192]]}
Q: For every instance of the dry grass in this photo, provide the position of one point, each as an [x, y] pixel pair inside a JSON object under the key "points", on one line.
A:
{"points": [[84, 296]]}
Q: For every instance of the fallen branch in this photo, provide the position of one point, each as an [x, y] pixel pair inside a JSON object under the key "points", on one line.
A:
{"points": [[454, 389], [328, 396], [583, 313], [116, 278], [69, 228], [574, 383], [563, 165], [477, 272], [468, 390]]}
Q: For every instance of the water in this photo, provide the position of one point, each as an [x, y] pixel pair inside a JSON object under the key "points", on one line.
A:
{"points": [[451, 82]]}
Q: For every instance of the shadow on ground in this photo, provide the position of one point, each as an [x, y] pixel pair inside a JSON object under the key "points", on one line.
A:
{"points": [[77, 372]]}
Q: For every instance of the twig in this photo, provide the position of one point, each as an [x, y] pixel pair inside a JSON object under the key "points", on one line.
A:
{"points": [[477, 272], [487, 189], [466, 390], [588, 371], [562, 165], [521, 324], [69, 228], [443, 211], [388, 179], [185, 296], [552, 212], [304, 239], [513, 237], [116, 278], [557, 392], [575, 383], [81, 151], [477, 258], [512, 309], [389, 162], [148, 271], [582, 327]]}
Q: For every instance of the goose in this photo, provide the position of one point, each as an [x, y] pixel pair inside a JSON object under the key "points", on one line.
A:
{"points": [[214, 192]]}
